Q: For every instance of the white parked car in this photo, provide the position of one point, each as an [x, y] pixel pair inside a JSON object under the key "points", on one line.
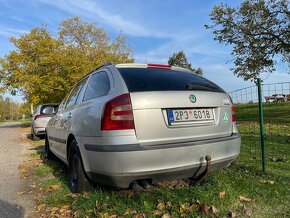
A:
{"points": [[40, 119], [136, 124]]}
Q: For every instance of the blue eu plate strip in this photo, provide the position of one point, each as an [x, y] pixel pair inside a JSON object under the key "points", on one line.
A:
{"points": [[170, 116]]}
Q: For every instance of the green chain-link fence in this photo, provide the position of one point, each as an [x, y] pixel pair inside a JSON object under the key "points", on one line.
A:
{"points": [[276, 110]]}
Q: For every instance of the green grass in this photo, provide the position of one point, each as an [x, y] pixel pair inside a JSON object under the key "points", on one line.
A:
{"points": [[269, 192], [42, 170], [273, 112]]}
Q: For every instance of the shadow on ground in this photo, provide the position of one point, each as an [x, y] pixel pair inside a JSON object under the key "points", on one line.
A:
{"points": [[60, 169], [8, 210]]}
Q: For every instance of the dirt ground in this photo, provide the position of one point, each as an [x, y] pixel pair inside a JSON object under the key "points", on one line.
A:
{"points": [[14, 150]]}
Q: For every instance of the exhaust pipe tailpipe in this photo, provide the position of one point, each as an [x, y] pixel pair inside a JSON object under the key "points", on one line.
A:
{"points": [[136, 187], [145, 184]]}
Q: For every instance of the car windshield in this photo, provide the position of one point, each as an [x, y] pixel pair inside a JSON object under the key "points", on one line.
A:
{"points": [[153, 79], [49, 109]]}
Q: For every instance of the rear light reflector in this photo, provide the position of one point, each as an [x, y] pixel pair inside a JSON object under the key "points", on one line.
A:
{"points": [[160, 66], [234, 117], [118, 114]]}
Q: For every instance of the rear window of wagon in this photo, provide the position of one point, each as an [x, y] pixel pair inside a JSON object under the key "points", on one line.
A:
{"points": [[154, 79]]}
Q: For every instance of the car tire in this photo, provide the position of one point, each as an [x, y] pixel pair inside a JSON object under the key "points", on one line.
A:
{"points": [[33, 135], [77, 178], [48, 153]]}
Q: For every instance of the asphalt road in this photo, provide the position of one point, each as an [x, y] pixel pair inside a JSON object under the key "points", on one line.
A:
{"points": [[12, 205]]}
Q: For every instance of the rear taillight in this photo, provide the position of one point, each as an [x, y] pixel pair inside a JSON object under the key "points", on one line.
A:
{"points": [[234, 117], [38, 116], [118, 114]]}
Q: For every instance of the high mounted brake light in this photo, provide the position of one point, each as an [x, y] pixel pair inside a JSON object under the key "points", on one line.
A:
{"points": [[160, 66], [118, 114]]}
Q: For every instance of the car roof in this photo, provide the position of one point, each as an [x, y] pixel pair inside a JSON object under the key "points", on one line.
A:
{"points": [[136, 65]]}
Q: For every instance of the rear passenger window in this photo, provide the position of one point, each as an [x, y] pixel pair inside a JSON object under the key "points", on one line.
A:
{"points": [[74, 94], [99, 85], [153, 79], [49, 109]]}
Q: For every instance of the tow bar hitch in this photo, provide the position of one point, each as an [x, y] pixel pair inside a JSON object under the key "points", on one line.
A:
{"points": [[206, 172]]}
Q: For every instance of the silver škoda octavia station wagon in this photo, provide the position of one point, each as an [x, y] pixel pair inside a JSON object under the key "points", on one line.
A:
{"points": [[142, 123]]}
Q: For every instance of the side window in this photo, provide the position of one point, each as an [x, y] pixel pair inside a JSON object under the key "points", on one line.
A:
{"points": [[81, 92], [74, 94], [62, 104], [99, 85]]}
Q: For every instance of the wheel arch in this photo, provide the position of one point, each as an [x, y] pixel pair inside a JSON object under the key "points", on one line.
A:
{"points": [[70, 138]]}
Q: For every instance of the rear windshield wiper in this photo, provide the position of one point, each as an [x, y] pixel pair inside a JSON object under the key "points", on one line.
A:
{"points": [[191, 86]]}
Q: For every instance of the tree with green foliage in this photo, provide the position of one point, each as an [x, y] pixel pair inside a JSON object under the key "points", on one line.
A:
{"points": [[10, 110], [258, 31], [179, 59], [44, 67]]}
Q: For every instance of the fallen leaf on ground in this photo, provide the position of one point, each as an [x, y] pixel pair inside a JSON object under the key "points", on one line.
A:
{"points": [[232, 214], [66, 207], [105, 206], [55, 187], [73, 195], [222, 194], [104, 215], [267, 182], [21, 193], [195, 206], [184, 207], [276, 159], [41, 207], [129, 212], [168, 205], [167, 215], [77, 213], [139, 216], [204, 209], [245, 199], [156, 212], [213, 210], [23, 170], [85, 195], [160, 206]]}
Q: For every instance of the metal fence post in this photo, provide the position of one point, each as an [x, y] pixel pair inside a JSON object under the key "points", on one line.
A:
{"points": [[262, 134]]}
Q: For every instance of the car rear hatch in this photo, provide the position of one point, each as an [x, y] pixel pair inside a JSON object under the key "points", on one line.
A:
{"points": [[46, 112], [171, 106]]}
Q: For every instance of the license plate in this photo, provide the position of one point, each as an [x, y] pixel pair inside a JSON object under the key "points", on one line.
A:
{"points": [[190, 115]]}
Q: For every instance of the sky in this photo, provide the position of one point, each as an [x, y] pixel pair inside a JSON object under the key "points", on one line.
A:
{"points": [[155, 29]]}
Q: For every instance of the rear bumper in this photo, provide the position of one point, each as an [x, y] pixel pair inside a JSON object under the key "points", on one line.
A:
{"points": [[39, 131], [124, 180], [120, 165]]}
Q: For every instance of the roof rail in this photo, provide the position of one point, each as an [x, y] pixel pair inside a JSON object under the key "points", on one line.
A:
{"points": [[104, 65]]}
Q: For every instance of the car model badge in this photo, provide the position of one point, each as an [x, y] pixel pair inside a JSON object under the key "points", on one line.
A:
{"points": [[192, 98]]}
